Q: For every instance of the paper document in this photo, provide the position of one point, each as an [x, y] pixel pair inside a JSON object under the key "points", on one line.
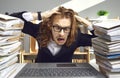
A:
{"points": [[108, 24], [10, 46], [7, 17], [10, 62], [7, 58], [10, 32], [9, 22]]}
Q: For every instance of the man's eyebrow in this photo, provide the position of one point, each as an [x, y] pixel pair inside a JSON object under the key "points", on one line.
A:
{"points": [[56, 25], [60, 25]]}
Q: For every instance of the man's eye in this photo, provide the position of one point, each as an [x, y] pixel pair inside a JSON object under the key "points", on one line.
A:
{"points": [[67, 29], [57, 28]]}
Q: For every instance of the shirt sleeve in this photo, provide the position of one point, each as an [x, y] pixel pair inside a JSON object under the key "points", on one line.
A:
{"points": [[85, 39], [29, 17], [31, 29], [90, 28]]}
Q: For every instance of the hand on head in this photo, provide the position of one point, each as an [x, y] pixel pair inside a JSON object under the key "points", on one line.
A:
{"points": [[48, 13], [83, 20]]}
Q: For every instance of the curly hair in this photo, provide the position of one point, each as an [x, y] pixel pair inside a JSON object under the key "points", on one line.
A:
{"points": [[45, 31]]}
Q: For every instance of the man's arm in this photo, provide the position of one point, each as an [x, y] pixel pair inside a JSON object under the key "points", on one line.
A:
{"points": [[30, 16]]}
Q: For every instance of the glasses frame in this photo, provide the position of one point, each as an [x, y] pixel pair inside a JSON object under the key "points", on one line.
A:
{"points": [[59, 28]]}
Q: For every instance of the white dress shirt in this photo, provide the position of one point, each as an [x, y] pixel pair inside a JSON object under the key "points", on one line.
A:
{"points": [[53, 47]]}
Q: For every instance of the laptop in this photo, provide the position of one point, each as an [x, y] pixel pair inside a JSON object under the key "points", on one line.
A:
{"points": [[59, 70]]}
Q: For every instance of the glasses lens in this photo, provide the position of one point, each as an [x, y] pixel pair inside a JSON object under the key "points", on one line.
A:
{"points": [[66, 29], [58, 29]]}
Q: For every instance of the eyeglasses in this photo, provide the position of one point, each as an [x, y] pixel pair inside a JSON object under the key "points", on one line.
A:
{"points": [[58, 29]]}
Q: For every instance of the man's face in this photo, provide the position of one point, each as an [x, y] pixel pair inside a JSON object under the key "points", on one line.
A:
{"points": [[60, 30]]}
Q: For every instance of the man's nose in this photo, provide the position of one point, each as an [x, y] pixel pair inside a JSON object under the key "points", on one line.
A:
{"points": [[62, 32]]}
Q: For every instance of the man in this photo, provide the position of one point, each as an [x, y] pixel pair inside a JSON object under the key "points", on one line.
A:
{"points": [[58, 33]]}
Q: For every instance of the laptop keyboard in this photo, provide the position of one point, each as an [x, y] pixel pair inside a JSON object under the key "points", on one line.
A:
{"points": [[54, 72]]}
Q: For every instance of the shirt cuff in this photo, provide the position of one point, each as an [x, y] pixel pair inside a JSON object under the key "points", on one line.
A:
{"points": [[28, 16], [90, 28]]}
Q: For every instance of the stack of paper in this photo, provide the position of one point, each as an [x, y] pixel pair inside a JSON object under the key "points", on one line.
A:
{"points": [[109, 29], [107, 47], [10, 45]]}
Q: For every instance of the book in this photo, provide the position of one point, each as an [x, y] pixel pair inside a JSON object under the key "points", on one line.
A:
{"points": [[105, 43], [107, 68], [109, 74], [115, 56], [102, 48], [102, 52], [108, 37], [107, 26], [112, 63], [113, 33], [113, 74]]}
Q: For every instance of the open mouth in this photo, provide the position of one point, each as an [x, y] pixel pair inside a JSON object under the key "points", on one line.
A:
{"points": [[60, 39]]}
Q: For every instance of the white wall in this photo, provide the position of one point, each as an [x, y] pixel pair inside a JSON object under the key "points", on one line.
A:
{"points": [[28, 5], [112, 6], [41, 5]]}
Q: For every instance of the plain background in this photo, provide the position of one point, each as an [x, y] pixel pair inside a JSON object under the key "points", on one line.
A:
{"points": [[10, 6]]}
